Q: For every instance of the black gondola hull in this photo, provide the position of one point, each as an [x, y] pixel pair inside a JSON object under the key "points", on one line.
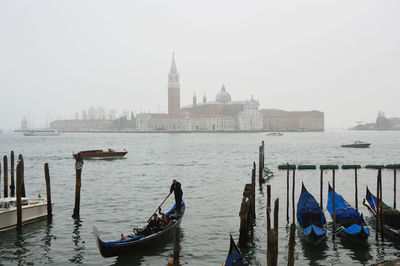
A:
{"points": [[139, 244]]}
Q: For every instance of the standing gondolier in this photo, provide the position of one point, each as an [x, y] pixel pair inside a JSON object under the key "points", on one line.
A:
{"points": [[176, 188]]}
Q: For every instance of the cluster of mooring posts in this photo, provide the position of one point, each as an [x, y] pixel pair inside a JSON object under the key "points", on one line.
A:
{"points": [[247, 212], [17, 186], [355, 167]]}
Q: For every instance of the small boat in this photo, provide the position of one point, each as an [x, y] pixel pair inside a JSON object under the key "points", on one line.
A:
{"points": [[350, 223], [311, 218], [140, 239], [32, 209], [235, 257], [275, 134], [356, 144], [41, 132], [391, 217], [101, 154]]}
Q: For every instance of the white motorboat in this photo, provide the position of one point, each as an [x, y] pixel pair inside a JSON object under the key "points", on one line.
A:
{"points": [[41, 132], [32, 209]]}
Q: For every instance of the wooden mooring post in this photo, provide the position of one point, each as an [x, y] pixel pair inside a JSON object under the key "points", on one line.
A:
{"points": [[380, 203], [48, 191], [334, 206], [177, 239], [12, 171], [20, 171], [245, 215], [287, 193], [291, 244], [268, 221], [321, 186], [21, 161], [356, 187], [394, 186], [78, 170], [293, 210], [272, 238], [253, 191], [5, 176]]}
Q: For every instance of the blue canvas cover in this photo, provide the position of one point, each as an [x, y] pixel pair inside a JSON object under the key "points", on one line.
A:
{"points": [[232, 258], [343, 211], [317, 230], [308, 206], [355, 229]]}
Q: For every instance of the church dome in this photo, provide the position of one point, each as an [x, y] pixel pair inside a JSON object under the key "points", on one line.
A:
{"points": [[223, 96]]}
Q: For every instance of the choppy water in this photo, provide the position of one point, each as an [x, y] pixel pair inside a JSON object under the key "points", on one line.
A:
{"points": [[213, 169]]}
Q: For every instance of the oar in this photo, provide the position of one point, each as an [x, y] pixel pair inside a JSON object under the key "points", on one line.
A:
{"points": [[159, 206]]}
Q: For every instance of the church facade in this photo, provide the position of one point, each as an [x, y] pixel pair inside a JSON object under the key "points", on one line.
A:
{"points": [[223, 114]]}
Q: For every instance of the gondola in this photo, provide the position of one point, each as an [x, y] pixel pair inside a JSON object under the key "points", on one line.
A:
{"points": [[391, 217], [235, 257], [141, 238], [350, 223], [311, 219]]}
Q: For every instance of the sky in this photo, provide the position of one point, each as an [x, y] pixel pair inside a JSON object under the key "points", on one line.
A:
{"points": [[61, 57]]}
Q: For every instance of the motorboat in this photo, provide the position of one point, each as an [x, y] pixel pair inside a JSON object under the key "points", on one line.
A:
{"points": [[357, 144], [41, 132], [275, 134], [32, 209], [101, 154]]}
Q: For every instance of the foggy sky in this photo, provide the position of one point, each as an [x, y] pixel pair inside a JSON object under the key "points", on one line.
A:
{"points": [[59, 57]]}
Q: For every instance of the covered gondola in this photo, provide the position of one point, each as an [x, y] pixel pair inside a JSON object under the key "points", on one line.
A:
{"points": [[391, 217], [350, 222], [311, 219], [142, 238], [235, 257]]}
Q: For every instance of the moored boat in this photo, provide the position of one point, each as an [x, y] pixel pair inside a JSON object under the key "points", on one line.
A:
{"points": [[101, 154], [391, 217], [235, 257], [356, 144], [274, 134], [311, 218], [140, 238], [350, 223], [32, 209], [41, 132]]}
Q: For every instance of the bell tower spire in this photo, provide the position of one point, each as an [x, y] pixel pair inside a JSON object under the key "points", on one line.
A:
{"points": [[174, 105]]}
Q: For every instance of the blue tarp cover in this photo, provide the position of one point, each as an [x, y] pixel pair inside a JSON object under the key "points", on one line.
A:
{"points": [[355, 229], [232, 258], [317, 230], [308, 205], [342, 209], [173, 208], [112, 243]]}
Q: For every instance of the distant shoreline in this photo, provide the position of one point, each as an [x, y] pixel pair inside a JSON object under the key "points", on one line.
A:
{"points": [[157, 131]]}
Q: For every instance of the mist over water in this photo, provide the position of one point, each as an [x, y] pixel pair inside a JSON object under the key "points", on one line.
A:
{"points": [[213, 169]]}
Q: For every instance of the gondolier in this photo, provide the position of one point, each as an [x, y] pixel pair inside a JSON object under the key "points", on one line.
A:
{"points": [[176, 188]]}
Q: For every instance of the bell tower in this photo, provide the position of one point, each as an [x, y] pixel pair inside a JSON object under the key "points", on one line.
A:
{"points": [[174, 97]]}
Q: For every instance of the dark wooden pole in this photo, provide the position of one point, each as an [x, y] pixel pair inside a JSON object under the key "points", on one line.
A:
{"points": [[5, 176], [269, 244], [356, 187], [0, 179], [287, 192], [253, 191], [48, 191], [291, 245], [177, 239], [333, 202], [260, 170], [19, 186], [275, 245], [377, 206], [321, 185], [394, 187], [293, 210], [12, 170], [380, 202], [78, 170], [21, 161]]}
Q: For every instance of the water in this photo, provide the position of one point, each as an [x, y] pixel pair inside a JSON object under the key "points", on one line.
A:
{"points": [[213, 169]]}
